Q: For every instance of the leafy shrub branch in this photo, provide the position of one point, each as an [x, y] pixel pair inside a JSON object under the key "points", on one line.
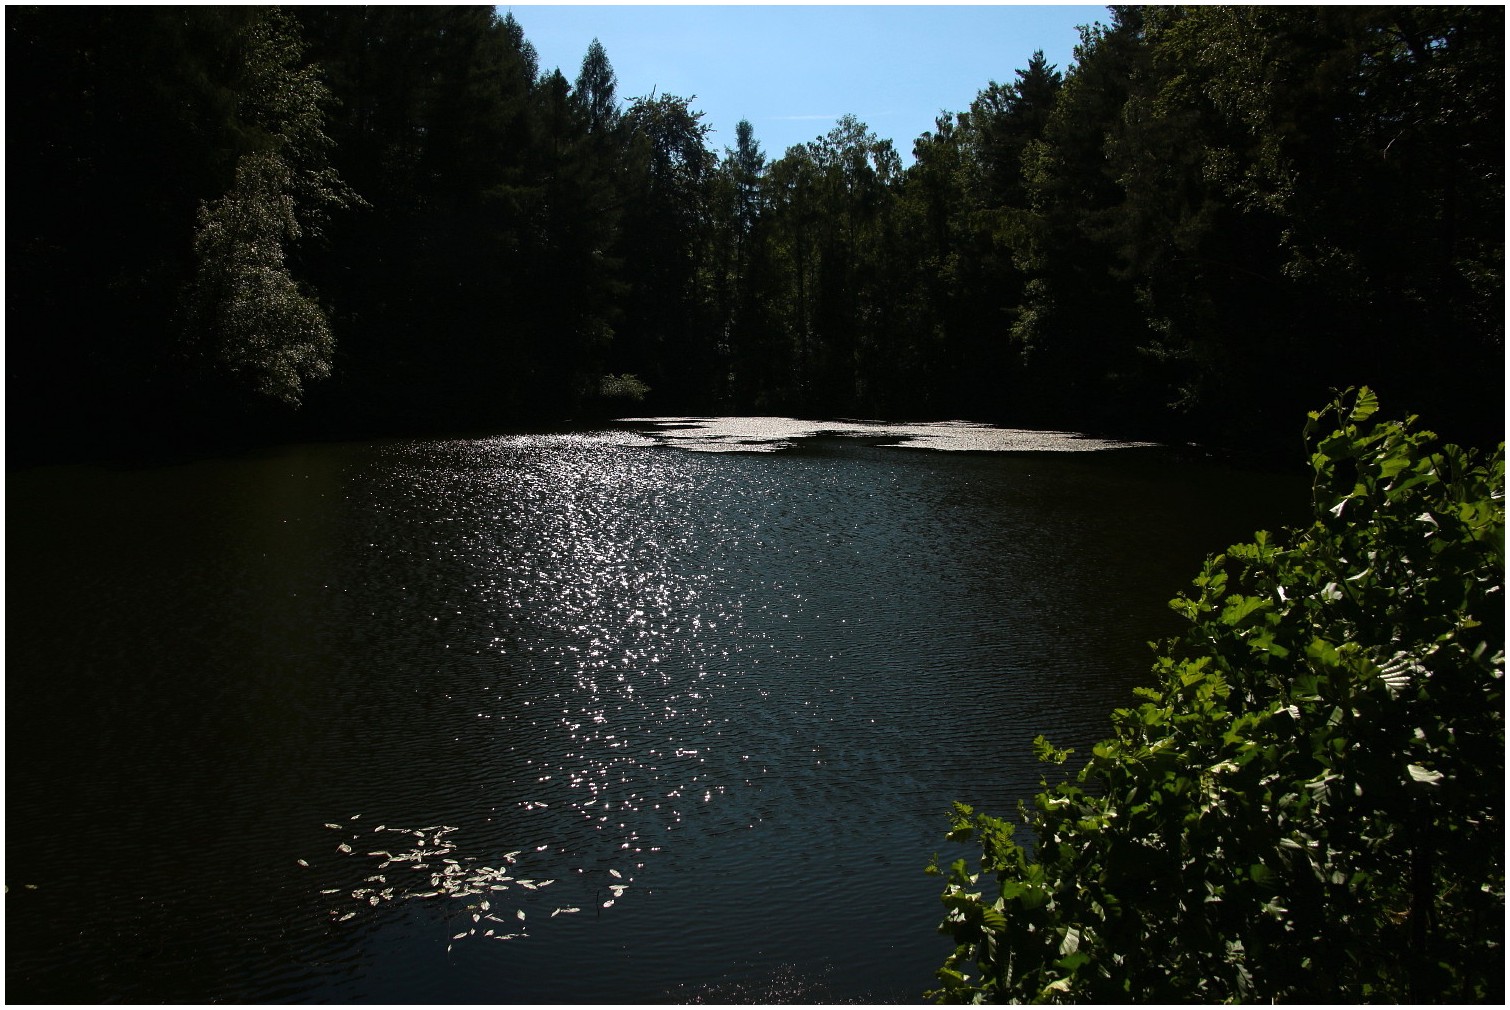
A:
{"points": [[1308, 804]]}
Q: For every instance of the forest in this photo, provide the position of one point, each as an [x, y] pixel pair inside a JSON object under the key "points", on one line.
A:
{"points": [[257, 223]]}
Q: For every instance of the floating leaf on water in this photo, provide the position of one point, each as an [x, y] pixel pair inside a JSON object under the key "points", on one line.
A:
{"points": [[615, 873], [348, 915], [499, 887], [337, 827], [520, 913], [301, 862], [476, 917], [528, 884], [493, 918], [427, 894], [460, 936], [608, 903], [355, 816], [544, 883], [485, 906], [380, 827], [343, 847], [332, 890], [488, 933], [373, 900]]}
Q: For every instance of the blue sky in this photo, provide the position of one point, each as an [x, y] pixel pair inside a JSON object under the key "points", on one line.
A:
{"points": [[792, 70]]}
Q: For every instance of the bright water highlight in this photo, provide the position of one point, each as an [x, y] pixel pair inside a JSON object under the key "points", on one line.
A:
{"points": [[578, 717]]}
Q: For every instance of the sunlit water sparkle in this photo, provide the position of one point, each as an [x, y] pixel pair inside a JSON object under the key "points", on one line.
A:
{"points": [[715, 704]]}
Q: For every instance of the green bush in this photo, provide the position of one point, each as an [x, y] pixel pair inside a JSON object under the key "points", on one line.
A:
{"points": [[1308, 806], [622, 387]]}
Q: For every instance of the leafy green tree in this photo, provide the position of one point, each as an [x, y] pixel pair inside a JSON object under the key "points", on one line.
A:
{"points": [[1308, 805], [245, 319], [169, 140], [668, 331]]}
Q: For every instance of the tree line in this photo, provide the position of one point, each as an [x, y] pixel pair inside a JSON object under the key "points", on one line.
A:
{"points": [[332, 220]]}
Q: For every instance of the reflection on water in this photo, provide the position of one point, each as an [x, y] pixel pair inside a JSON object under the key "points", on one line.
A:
{"points": [[566, 717], [770, 434]]}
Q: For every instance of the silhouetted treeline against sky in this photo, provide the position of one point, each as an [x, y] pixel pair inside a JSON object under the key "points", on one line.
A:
{"points": [[262, 222]]}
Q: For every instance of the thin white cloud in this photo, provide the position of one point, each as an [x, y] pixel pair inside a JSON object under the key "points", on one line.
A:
{"points": [[806, 117]]}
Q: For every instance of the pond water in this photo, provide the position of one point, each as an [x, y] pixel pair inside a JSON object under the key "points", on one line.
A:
{"points": [[579, 716]]}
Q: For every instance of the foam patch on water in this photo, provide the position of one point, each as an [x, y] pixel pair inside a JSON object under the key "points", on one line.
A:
{"points": [[772, 434]]}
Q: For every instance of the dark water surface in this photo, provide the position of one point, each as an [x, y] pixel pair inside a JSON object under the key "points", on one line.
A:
{"points": [[708, 708]]}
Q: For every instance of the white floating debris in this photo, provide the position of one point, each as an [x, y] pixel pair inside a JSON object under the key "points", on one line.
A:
{"points": [[460, 936], [343, 847], [348, 915], [301, 862], [615, 873], [520, 913], [608, 903], [336, 827]]}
